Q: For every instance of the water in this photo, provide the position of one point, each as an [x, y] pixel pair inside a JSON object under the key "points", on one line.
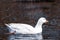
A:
{"points": [[25, 37]]}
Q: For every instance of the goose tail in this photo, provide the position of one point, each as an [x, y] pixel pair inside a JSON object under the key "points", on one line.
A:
{"points": [[7, 24]]}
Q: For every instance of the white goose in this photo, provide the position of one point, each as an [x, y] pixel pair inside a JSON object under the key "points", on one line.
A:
{"points": [[27, 29]]}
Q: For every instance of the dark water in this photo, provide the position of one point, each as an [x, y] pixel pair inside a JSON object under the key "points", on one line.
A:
{"points": [[48, 34], [27, 37]]}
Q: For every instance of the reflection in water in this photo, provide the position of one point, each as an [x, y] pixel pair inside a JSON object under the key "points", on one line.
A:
{"points": [[25, 37]]}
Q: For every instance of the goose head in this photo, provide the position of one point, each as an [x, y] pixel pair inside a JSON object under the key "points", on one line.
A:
{"points": [[43, 20], [40, 22]]}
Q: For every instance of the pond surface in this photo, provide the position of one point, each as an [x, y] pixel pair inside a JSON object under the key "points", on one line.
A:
{"points": [[27, 37]]}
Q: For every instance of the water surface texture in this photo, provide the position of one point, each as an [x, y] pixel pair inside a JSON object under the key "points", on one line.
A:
{"points": [[25, 37], [14, 11]]}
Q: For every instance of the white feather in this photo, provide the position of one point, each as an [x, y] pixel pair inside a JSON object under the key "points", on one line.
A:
{"points": [[26, 28]]}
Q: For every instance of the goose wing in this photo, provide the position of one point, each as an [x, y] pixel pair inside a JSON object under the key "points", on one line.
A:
{"points": [[22, 28]]}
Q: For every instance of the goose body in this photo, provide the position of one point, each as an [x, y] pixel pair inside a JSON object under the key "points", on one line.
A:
{"points": [[26, 28]]}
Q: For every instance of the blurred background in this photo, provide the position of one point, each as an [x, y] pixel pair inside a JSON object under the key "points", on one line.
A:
{"points": [[29, 11]]}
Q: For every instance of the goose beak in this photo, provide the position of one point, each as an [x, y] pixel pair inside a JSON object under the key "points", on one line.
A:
{"points": [[47, 21]]}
